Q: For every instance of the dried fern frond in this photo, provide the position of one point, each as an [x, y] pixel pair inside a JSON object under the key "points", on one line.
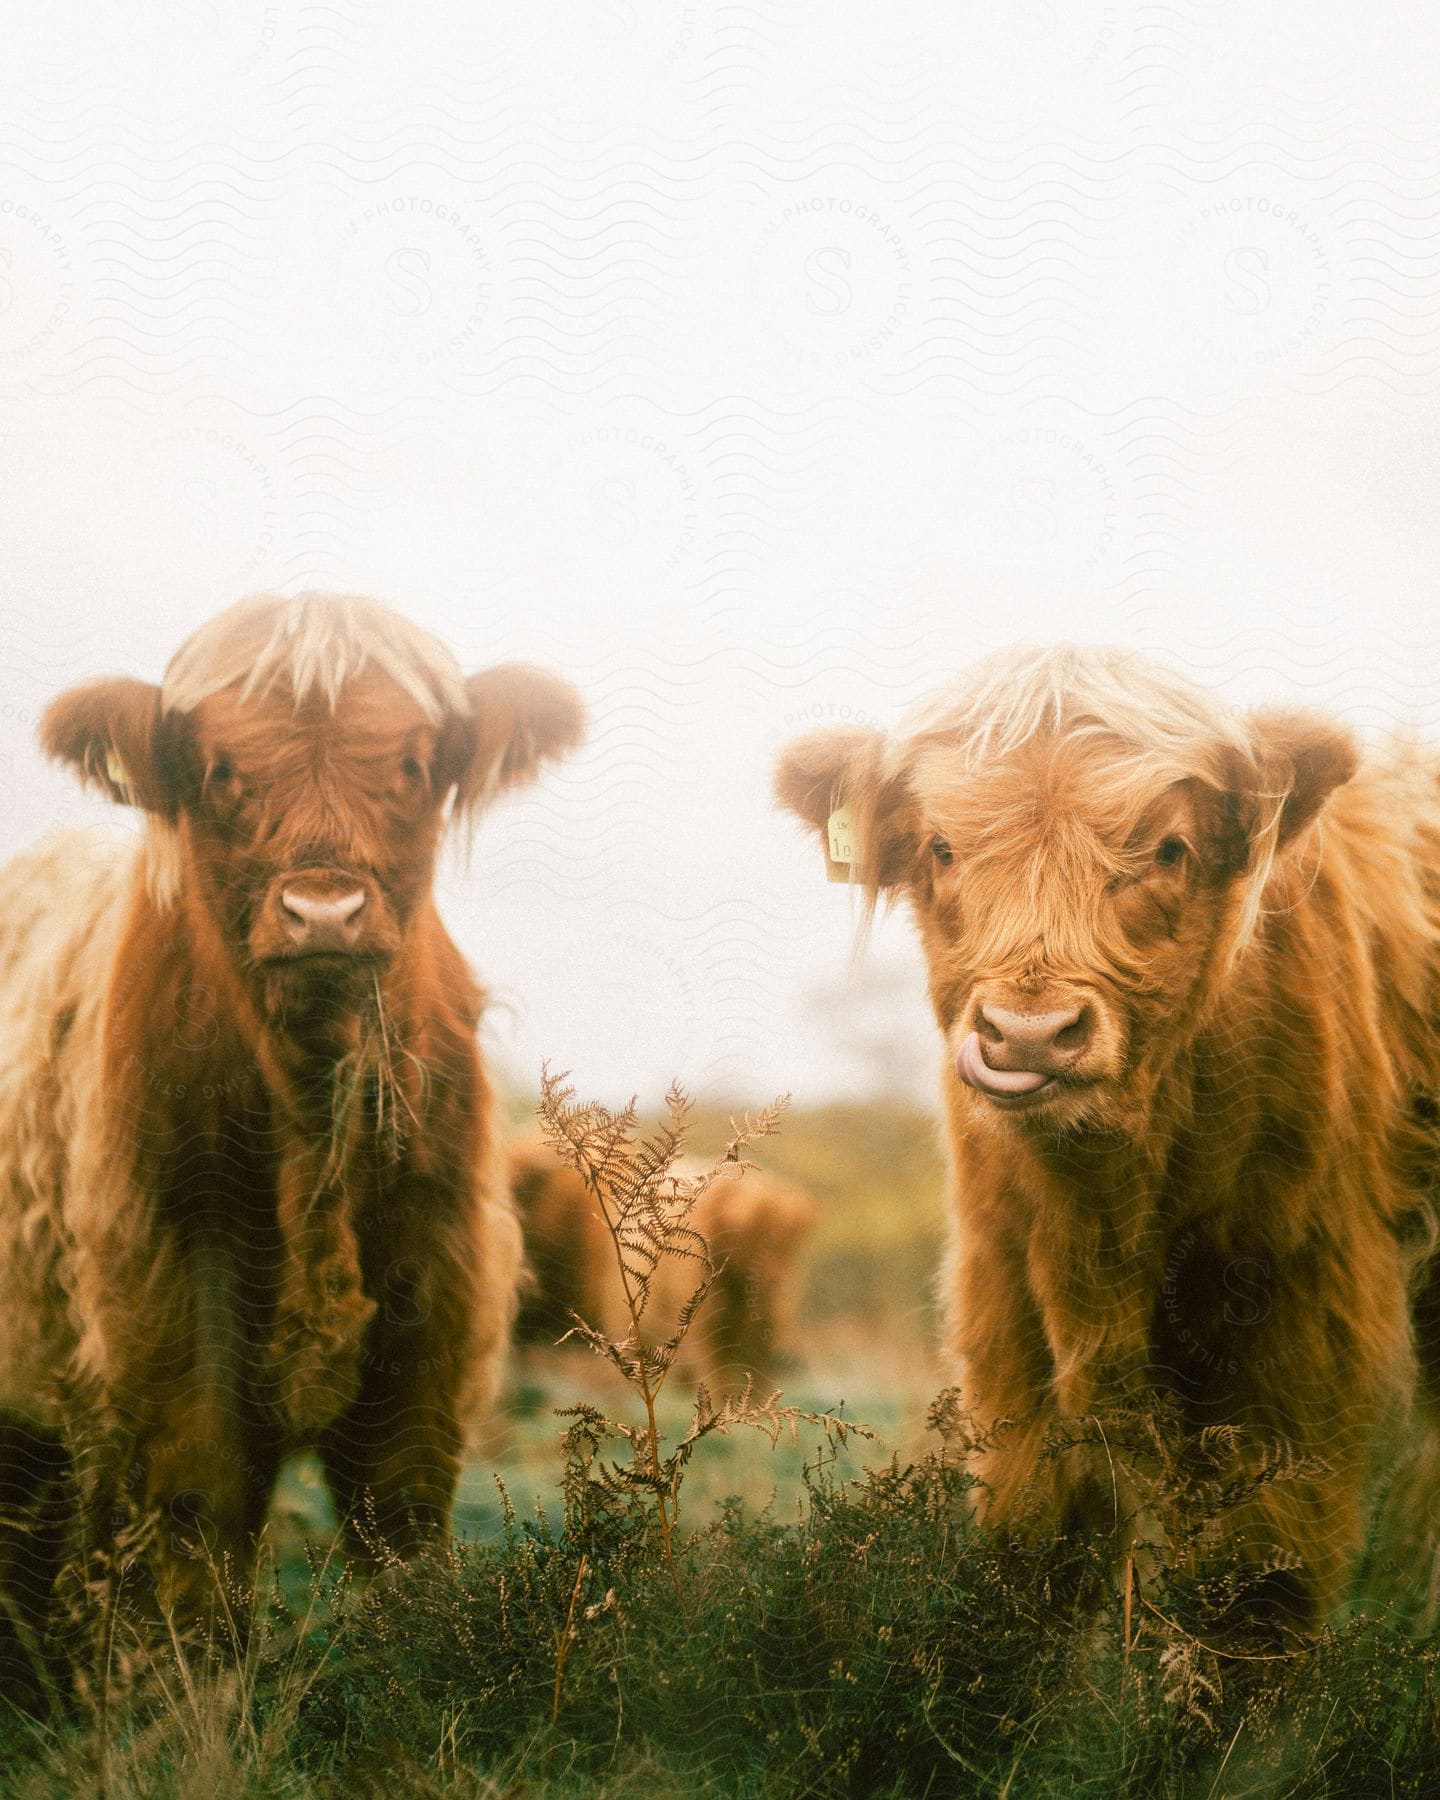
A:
{"points": [[646, 1202]]}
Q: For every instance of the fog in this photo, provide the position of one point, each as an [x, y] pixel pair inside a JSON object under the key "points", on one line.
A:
{"points": [[755, 367]]}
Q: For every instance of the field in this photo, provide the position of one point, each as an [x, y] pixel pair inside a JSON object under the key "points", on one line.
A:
{"points": [[830, 1623]]}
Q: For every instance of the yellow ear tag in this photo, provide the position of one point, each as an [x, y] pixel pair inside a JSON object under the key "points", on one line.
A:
{"points": [[841, 855], [115, 771]]}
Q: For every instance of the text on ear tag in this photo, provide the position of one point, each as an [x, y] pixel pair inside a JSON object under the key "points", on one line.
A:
{"points": [[840, 852]]}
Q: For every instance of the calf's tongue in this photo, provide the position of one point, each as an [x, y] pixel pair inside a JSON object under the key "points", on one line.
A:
{"points": [[975, 1072]]}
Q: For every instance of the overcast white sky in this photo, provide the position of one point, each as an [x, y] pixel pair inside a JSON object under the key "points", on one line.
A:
{"points": [[754, 366]]}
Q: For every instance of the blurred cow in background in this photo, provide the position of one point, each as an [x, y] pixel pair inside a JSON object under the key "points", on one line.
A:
{"points": [[756, 1224]]}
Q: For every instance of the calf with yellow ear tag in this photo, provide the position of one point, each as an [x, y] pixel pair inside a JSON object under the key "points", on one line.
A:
{"points": [[1185, 966]]}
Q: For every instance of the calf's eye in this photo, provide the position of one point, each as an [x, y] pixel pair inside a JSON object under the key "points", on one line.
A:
{"points": [[1169, 852], [941, 851], [412, 769]]}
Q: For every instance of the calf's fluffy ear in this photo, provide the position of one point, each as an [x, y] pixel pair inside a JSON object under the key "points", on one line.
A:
{"points": [[825, 769], [520, 718], [840, 766], [1300, 759], [113, 733]]}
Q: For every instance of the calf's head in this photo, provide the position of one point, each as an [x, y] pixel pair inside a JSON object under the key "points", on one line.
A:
{"points": [[305, 755], [1083, 838]]}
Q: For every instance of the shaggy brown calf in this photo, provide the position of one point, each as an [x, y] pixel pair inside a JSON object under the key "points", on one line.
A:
{"points": [[1185, 966], [756, 1224], [248, 1198]]}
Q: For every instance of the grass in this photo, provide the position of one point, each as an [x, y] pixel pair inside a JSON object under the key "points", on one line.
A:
{"points": [[832, 1624], [870, 1644]]}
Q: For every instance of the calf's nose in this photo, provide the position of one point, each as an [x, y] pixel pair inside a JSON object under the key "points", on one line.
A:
{"points": [[322, 921], [1045, 1042]]}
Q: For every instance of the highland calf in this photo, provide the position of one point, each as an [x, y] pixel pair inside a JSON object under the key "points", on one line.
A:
{"points": [[250, 1191], [757, 1226], [1185, 967]]}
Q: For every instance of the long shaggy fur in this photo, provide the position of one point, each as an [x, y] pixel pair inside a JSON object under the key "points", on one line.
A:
{"points": [[249, 1203], [1226, 1202]]}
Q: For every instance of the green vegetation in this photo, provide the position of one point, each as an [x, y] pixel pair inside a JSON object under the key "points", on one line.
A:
{"points": [[775, 1608], [873, 1646]]}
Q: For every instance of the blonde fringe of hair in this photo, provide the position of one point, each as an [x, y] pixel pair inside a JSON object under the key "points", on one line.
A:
{"points": [[311, 643], [1020, 693]]}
